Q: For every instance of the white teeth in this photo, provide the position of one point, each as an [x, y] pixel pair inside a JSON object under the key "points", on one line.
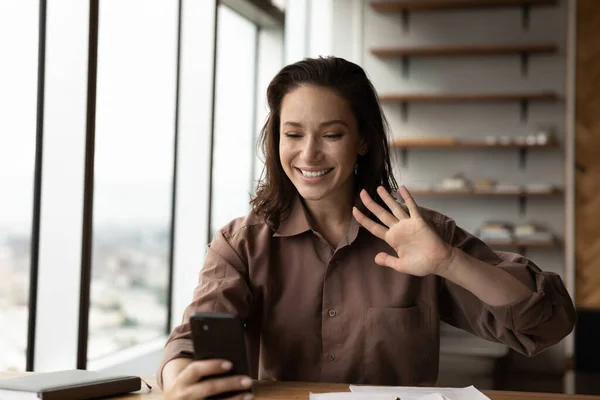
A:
{"points": [[314, 174]]}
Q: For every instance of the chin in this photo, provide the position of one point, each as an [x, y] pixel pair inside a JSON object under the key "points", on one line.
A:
{"points": [[312, 195]]}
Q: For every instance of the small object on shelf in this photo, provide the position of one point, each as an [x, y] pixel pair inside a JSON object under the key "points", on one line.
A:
{"points": [[531, 140], [484, 185], [420, 141], [491, 140], [456, 182], [544, 135], [507, 188], [505, 140], [539, 188], [494, 231], [419, 187], [531, 232], [520, 140]]}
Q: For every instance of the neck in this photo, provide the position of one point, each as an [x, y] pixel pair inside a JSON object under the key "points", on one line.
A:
{"points": [[331, 216]]}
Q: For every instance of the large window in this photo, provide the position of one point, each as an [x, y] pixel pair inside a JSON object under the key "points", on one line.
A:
{"points": [[150, 87], [18, 99], [234, 132], [135, 125]]}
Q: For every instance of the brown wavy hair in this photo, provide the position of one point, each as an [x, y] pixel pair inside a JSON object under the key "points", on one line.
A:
{"points": [[275, 192]]}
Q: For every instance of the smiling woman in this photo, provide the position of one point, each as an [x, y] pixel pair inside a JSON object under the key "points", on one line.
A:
{"points": [[336, 279]]}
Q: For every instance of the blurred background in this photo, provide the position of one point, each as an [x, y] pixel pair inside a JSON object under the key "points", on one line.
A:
{"points": [[128, 137]]}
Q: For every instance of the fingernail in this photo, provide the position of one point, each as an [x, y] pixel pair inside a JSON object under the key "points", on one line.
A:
{"points": [[226, 365], [246, 382], [248, 397]]}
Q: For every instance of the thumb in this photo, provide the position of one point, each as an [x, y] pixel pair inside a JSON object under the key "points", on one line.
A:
{"points": [[387, 260]]}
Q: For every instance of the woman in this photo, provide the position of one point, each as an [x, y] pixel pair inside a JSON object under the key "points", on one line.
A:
{"points": [[336, 280]]}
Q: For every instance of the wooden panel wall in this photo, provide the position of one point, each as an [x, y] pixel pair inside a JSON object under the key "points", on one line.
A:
{"points": [[587, 155]]}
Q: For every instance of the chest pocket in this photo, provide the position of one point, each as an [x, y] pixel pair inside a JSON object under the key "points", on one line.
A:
{"points": [[399, 346]]}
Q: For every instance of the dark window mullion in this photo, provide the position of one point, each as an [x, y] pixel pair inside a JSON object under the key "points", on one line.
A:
{"points": [[37, 189], [88, 191]]}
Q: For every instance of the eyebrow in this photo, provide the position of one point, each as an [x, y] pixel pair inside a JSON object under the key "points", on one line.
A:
{"points": [[322, 124]]}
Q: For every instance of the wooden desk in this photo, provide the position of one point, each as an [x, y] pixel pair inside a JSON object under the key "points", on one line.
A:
{"points": [[298, 390]]}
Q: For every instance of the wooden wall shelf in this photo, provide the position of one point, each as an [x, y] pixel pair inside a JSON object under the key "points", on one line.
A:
{"points": [[523, 245], [511, 49], [482, 193], [524, 51], [523, 98], [405, 7], [437, 5], [521, 195], [466, 97], [446, 144]]}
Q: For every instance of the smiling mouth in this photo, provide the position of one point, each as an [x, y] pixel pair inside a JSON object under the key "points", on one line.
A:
{"points": [[314, 174]]}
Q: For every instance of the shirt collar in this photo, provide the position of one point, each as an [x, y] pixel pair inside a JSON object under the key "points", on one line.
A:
{"points": [[298, 222]]}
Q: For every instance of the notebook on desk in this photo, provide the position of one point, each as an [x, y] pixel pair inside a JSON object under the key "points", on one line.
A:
{"points": [[67, 385]]}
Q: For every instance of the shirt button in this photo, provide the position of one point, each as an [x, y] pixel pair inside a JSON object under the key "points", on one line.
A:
{"points": [[332, 313], [331, 357]]}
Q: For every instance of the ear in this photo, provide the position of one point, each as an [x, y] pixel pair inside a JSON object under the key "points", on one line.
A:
{"points": [[363, 148]]}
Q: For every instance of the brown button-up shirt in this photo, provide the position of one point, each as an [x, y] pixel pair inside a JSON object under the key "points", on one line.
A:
{"points": [[317, 313]]}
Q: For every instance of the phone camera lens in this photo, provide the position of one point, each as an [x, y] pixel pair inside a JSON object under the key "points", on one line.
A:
{"points": [[205, 327]]}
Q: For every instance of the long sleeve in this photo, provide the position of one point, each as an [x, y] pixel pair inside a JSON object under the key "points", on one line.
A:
{"points": [[529, 325], [223, 287]]}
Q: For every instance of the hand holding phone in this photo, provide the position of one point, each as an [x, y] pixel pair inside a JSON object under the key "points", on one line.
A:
{"points": [[197, 380], [221, 336]]}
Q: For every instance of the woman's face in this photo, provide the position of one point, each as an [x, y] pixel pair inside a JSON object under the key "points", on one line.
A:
{"points": [[319, 143]]}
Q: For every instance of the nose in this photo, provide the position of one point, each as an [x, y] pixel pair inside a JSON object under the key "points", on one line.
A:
{"points": [[311, 148]]}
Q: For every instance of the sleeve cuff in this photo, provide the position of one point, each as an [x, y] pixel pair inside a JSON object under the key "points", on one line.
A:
{"points": [[180, 348], [533, 310]]}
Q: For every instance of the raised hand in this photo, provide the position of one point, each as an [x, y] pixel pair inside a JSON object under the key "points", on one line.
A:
{"points": [[419, 250]]}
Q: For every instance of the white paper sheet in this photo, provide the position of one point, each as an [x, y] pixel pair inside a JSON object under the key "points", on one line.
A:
{"points": [[409, 392], [374, 396]]}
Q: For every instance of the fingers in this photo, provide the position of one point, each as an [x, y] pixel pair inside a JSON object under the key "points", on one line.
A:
{"points": [[410, 202], [387, 260], [391, 202], [380, 212], [201, 369], [211, 387], [373, 227]]}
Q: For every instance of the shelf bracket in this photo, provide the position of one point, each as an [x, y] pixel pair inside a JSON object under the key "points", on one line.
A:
{"points": [[524, 110], [522, 204], [524, 64], [404, 156], [522, 250], [404, 109], [525, 16], [405, 21], [405, 66], [522, 157]]}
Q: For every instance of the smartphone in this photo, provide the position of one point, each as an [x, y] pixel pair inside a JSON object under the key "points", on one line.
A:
{"points": [[219, 335]]}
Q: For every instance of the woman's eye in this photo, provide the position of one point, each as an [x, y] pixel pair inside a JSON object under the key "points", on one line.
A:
{"points": [[333, 135], [292, 135]]}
